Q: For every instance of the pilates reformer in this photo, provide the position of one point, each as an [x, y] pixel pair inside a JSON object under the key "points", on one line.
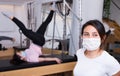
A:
{"points": [[38, 69]]}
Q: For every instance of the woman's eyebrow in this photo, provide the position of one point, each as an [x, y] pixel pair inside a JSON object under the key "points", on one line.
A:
{"points": [[85, 32], [94, 32]]}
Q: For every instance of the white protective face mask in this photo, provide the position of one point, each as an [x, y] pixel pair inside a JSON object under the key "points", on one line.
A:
{"points": [[91, 44]]}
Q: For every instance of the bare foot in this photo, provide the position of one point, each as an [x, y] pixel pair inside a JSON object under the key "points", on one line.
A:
{"points": [[53, 6]]}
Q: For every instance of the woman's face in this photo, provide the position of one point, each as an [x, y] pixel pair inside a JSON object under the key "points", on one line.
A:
{"points": [[90, 32], [91, 38]]}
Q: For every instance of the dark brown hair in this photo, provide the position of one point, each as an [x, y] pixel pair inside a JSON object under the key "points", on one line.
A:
{"points": [[16, 60]]}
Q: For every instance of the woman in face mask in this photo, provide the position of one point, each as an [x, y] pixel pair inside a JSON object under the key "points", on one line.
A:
{"points": [[92, 59]]}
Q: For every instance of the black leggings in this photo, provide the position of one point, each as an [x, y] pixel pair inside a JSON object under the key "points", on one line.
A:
{"points": [[38, 36]]}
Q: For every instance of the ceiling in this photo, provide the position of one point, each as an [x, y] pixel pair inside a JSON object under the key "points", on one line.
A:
{"points": [[14, 1]]}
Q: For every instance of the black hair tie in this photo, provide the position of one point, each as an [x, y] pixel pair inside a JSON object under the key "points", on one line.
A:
{"points": [[108, 32]]}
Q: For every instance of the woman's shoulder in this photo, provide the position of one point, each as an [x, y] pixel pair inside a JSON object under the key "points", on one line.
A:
{"points": [[105, 54], [109, 58], [112, 64]]}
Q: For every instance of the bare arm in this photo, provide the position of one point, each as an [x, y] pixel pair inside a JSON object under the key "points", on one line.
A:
{"points": [[41, 59], [117, 74]]}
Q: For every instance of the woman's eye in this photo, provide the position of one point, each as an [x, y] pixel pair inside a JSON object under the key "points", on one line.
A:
{"points": [[95, 35], [85, 34]]}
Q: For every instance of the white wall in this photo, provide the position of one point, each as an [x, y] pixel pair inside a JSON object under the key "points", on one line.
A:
{"points": [[11, 29]]}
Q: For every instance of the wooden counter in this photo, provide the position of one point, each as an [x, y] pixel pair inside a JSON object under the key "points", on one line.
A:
{"points": [[42, 70], [6, 53]]}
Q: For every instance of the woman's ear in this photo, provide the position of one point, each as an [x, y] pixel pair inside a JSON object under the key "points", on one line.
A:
{"points": [[104, 38]]}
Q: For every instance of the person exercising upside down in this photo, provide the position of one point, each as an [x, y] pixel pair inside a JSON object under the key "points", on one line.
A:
{"points": [[34, 51]]}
